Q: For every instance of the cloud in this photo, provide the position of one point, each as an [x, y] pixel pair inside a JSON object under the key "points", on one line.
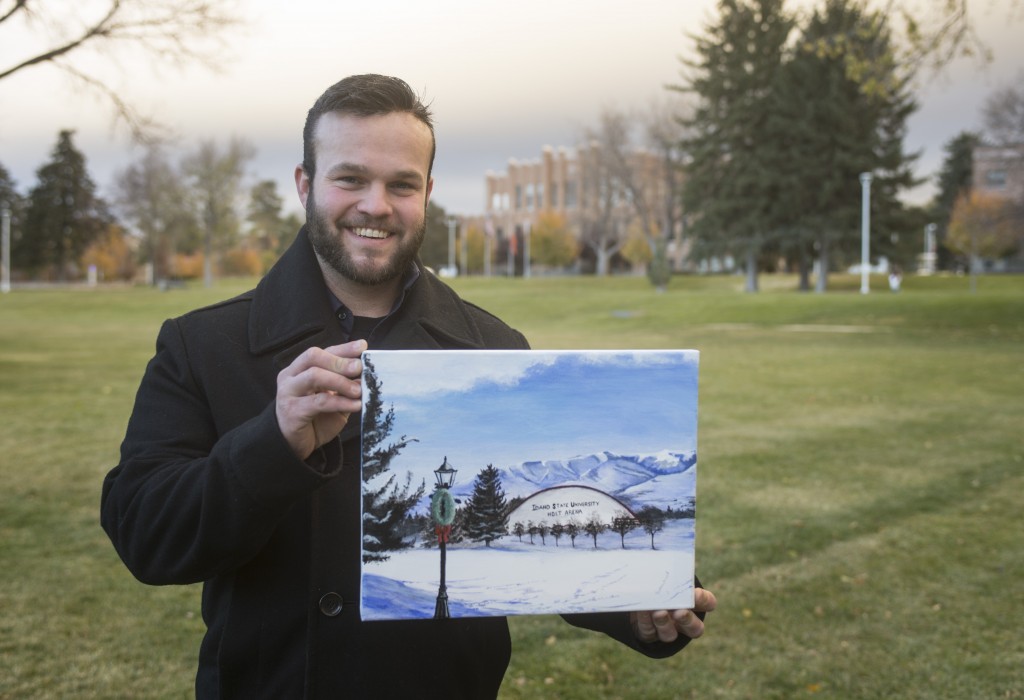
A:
{"points": [[431, 372]]}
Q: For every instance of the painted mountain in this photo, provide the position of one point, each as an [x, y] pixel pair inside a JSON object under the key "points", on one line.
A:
{"points": [[651, 480]]}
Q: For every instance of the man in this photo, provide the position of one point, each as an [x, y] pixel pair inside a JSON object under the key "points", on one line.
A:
{"points": [[240, 464]]}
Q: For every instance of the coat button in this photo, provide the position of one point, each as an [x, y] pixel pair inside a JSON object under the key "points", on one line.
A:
{"points": [[330, 604]]}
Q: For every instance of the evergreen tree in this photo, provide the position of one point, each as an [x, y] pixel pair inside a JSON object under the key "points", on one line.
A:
{"points": [[828, 124], [486, 510], [64, 214], [730, 188], [954, 181], [386, 503], [434, 251]]}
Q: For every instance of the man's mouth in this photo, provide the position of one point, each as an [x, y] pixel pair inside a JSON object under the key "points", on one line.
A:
{"points": [[371, 233]]}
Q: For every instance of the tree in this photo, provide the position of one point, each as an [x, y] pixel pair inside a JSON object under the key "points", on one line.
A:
{"points": [[64, 214], [603, 216], [623, 525], [955, 180], [573, 528], [152, 196], [486, 510], [434, 251], [557, 530], [594, 527], [171, 32], [519, 530], [730, 188], [1003, 116], [828, 125], [634, 185], [983, 226], [543, 530], [552, 243], [216, 181], [111, 255], [270, 229], [386, 504], [652, 521]]}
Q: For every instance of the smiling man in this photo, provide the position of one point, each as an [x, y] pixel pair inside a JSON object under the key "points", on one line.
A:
{"points": [[240, 464]]}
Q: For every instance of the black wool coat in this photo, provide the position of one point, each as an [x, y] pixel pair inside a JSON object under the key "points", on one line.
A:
{"points": [[208, 490]]}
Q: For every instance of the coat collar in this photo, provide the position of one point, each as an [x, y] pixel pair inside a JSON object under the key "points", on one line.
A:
{"points": [[291, 311]]}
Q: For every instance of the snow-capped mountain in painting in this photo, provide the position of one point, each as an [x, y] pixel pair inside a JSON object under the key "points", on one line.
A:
{"points": [[655, 479]]}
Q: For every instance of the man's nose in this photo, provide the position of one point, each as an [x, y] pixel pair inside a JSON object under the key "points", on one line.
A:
{"points": [[375, 201]]}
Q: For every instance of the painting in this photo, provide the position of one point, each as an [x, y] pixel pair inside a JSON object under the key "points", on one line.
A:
{"points": [[527, 482]]}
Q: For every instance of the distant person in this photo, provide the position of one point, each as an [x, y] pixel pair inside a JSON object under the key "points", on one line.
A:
{"points": [[895, 279], [240, 464]]}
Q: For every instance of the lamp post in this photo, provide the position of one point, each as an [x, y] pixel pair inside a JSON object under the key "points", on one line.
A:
{"points": [[442, 511], [865, 229], [5, 249]]}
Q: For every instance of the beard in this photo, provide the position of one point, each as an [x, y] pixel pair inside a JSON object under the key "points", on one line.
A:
{"points": [[328, 243]]}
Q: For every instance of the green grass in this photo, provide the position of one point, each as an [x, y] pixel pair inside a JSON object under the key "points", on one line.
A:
{"points": [[861, 484]]}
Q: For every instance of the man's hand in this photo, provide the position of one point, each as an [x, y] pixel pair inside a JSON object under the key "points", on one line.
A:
{"points": [[317, 393], [666, 626]]}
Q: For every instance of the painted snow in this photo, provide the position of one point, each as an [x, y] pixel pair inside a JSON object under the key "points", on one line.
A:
{"points": [[574, 435]]}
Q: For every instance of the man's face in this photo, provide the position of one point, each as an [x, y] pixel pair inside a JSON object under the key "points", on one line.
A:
{"points": [[366, 205]]}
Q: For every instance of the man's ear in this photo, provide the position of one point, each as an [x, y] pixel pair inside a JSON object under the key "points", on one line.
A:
{"points": [[430, 188], [302, 184]]}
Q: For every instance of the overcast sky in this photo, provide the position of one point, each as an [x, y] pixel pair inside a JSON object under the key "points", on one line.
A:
{"points": [[504, 80]]}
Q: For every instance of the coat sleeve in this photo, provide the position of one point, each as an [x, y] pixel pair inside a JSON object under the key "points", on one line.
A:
{"points": [[185, 502]]}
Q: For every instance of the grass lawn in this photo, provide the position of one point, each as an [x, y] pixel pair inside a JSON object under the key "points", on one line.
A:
{"points": [[861, 484]]}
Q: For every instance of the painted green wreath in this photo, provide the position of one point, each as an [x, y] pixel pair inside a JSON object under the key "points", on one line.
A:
{"points": [[442, 507]]}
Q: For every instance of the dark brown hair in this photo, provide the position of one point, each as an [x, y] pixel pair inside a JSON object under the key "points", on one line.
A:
{"points": [[364, 96]]}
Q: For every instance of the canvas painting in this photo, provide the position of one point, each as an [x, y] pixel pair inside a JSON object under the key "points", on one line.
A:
{"points": [[527, 482]]}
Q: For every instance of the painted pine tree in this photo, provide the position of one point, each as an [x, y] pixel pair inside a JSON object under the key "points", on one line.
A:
{"points": [[487, 510], [386, 501]]}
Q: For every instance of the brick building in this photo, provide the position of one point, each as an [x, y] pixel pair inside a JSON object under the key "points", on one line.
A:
{"points": [[999, 172], [573, 184]]}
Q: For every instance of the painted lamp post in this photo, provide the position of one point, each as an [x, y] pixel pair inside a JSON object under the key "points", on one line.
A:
{"points": [[442, 512]]}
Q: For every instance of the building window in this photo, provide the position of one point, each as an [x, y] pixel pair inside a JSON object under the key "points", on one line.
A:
{"points": [[554, 195], [540, 196], [570, 194], [519, 197], [529, 196], [995, 179]]}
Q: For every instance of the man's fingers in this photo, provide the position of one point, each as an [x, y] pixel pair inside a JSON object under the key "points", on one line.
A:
{"points": [[686, 622], [704, 600]]}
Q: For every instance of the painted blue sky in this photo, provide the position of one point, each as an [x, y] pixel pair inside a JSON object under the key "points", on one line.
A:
{"points": [[505, 408]]}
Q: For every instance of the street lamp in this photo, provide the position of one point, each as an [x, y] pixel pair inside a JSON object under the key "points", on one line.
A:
{"points": [[5, 249], [442, 512], [865, 228]]}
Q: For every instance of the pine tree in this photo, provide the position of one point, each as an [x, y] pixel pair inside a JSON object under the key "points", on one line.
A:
{"points": [[729, 187], [64, 214], [954, 181], [386, 504], [839, 108], [486, 510]]}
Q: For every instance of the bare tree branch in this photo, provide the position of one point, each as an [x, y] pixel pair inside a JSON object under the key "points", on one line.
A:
{"points": [[176, 32], [18, 5]]}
